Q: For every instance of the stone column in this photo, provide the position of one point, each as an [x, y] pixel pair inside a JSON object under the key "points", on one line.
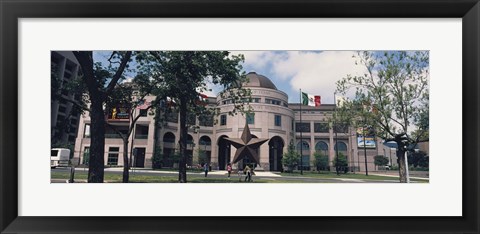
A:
{"points": [[150, 149], [331, 148]]}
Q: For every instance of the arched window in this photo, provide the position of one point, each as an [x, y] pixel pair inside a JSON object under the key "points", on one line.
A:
{"points": [[169, 137], [190, 141], [205, 140], [341, 146], [304, 146], [321, 146]]}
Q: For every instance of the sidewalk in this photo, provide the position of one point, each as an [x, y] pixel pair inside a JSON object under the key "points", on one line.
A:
{"points": [[120, 169], [387, 175]]}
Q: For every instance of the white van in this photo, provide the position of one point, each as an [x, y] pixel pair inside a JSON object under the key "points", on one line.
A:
{"points": [[59, 157]]}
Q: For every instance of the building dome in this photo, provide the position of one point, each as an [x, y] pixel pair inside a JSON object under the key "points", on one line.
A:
{"points": [[256, 80]]}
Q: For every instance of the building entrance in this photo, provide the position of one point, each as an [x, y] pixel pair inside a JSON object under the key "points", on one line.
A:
{"points": [[139, 157], [223, 153], [275, 146]]}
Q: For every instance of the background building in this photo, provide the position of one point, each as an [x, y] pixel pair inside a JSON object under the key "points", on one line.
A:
{"points": [[64, 118], [273, 118]]}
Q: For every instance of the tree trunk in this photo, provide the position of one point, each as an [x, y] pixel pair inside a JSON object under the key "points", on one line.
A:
{"points": [[97, 155], [402, 168], [125, 160], [182, 167]]}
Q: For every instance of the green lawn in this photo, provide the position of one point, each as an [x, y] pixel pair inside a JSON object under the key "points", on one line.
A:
{"points": [[350, 175], [117, 178], [158, 178]]}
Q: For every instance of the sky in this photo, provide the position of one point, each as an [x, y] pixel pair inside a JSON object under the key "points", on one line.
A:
{"points": [[314, 72]]}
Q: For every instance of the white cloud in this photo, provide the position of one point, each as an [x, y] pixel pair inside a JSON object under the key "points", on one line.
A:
{"points": [[313, 72], [257, 60], [128, 79], [317, 73]]}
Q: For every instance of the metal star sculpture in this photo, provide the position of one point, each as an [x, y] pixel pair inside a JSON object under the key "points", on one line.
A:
{"points": [[246, 146]]}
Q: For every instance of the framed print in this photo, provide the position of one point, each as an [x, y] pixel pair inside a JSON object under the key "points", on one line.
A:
{"points": [[289, 44]]}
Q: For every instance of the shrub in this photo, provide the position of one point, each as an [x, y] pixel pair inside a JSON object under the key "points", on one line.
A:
{"points": [[202, 157], [321, 161], [291, 158], [380, 160], [157, 158], [341, 163]]}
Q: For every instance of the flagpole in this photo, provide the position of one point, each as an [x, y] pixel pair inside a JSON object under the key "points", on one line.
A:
{"points": [[335, 128], [301, 135]]}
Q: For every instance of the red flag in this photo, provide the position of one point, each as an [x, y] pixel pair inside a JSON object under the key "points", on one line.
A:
{"points": [[143, 104], [318, 101], [202, 99]]}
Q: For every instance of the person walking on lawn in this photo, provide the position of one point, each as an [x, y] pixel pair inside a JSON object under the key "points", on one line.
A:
{"points": [[229, 169], [248, 172], [205, 168]]}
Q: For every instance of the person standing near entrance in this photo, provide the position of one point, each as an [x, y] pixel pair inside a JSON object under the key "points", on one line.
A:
{"points": [[229, 169], [205, 168], [248, 172]]}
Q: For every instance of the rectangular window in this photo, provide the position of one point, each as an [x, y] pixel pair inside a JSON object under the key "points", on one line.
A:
{"points": [[223, 120], [341, 128], [250, 118], [321, 127], [272, 101], [302, 127], [86, 132], [141, 131], [86, 156], [71, 138], [278, 120], [113, 156], [62, 109], [143, 112]]}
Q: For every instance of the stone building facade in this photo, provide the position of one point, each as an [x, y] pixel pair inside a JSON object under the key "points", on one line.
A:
{"points": [[273, 118], [64, 118]]}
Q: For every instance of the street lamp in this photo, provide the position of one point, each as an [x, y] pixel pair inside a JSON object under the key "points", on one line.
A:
{"points": [[391, 149], [406, 165]]}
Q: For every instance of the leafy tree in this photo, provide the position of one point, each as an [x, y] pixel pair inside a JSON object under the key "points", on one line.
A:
{"points": [[157, 158], [418, 159], [184, 75], [392, 95], [291, 158], [321, 161], [380, 160], [202, 157], [131, 96], [100, 82]]}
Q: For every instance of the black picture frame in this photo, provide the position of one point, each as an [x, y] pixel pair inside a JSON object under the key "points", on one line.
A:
{"points": [[11, 11]]}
